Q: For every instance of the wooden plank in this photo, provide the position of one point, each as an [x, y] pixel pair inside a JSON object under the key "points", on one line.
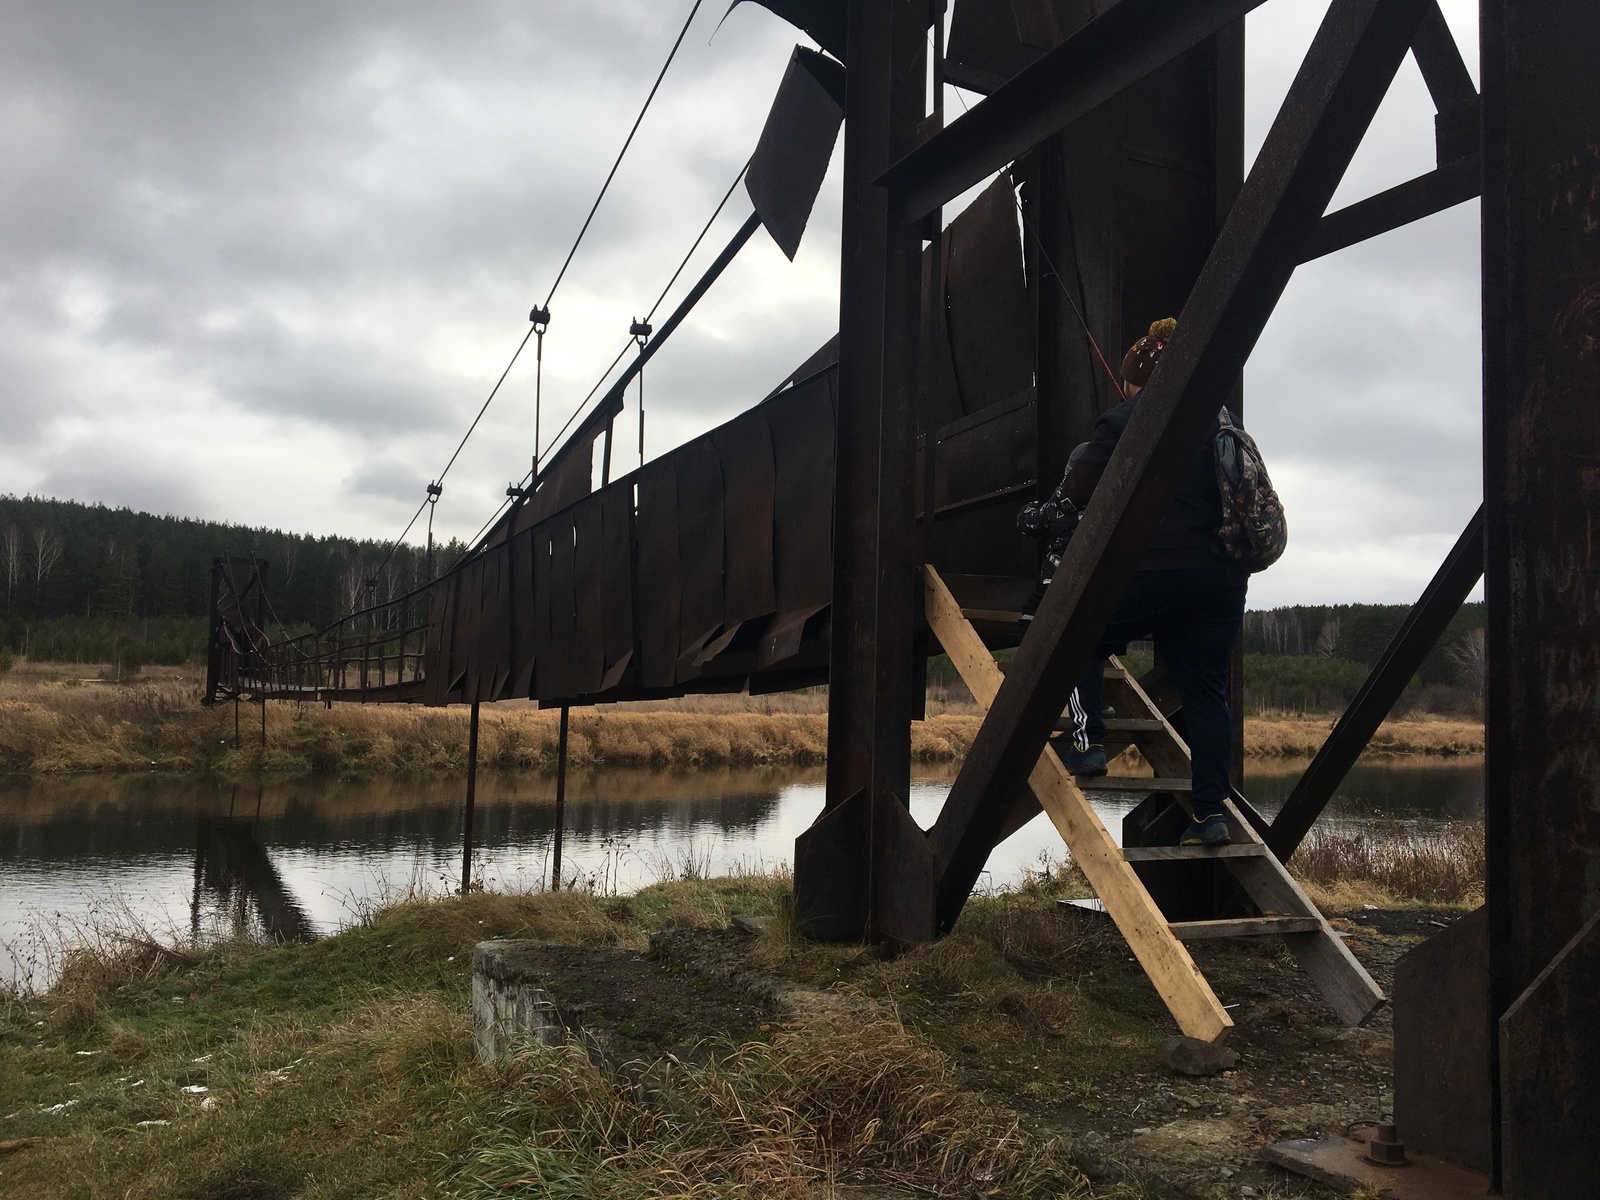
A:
{"points": [[1352, 993], [1181, 985], [1191, 931], [1165, 749], [1139, 783], [1322, 954], [993, 616], [1190, 853]]}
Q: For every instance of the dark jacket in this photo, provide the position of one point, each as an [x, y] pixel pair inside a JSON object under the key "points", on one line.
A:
{"points": [[1185, 538]]}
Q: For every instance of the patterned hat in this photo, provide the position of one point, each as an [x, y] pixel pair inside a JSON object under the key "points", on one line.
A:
{"points": [[1144, 354]]}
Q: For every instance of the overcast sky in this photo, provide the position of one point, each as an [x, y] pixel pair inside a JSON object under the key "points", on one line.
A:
{"points": [[263, 262]]}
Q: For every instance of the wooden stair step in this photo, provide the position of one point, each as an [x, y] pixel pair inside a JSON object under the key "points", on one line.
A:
{"points": [[1133, 783], [992, 616], [1156, 942], [1126, 726], [1191, 853], [1191, 931]]}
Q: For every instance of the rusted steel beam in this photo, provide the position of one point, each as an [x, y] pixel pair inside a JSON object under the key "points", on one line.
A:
{"points": [[874, 581], [1117, 49], [1541, 390], [1450, 84], [1401, 659], [1339, 86], [1454, 183], [869, 722]]}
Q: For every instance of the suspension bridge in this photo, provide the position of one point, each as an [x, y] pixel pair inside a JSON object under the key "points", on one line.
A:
{"points": [[859, 517]]}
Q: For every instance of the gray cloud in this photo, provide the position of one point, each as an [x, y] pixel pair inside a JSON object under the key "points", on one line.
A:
{"points": [[300, 242]]}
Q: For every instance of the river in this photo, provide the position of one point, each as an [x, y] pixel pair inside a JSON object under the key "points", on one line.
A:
{"points": [[307, 855]]}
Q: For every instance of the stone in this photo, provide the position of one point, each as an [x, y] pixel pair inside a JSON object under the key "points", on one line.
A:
{"points": [[750, 925], [1191, 1056], [509, 1008]]}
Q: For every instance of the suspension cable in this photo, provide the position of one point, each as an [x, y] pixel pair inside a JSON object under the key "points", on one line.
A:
{"points": [[650, 316], [612, 173], [543, 309]]}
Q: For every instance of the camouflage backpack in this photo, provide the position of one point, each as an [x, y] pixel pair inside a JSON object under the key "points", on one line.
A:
{"points": [[1253, 532]]}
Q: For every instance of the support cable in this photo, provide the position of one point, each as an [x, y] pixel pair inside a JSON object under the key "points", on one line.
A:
{"points": [[560, 275], [650, 316], [612, 173]]}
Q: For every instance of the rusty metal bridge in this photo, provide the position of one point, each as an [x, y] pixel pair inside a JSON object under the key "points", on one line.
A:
{"points": [[860, 517]]}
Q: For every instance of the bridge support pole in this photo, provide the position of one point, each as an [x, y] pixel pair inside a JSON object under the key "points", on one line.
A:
{"points": [[561, 802], [873, 892], [1541, 442], [472, 797]]}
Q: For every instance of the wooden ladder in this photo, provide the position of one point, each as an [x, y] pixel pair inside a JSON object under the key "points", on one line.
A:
{"points": [[1156, 942]]}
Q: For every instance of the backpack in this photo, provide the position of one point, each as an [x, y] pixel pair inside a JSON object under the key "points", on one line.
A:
{"points": [[1253, 532]]}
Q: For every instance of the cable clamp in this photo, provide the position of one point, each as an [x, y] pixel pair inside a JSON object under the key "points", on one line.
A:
{"points": [[434, 490], [641, 331], [540, 318]]}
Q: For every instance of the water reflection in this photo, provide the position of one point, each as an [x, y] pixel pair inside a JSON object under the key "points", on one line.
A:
{"points": [[232, 864], [1448, 789], [300, 857]]}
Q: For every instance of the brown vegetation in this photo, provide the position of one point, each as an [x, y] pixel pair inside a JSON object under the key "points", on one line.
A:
{"points": [[63, 720], [1388, 863], [1302, 737], [827, 1097]]}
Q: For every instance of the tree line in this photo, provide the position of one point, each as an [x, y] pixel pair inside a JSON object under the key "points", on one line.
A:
{"points": [[87, 583]]}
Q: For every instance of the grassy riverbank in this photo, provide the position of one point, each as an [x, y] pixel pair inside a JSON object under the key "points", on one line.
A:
{"points": [[53, 720], [1011, 1058]]}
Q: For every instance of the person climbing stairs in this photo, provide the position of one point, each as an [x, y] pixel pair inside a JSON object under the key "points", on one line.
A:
{"points": [[1281, 907]]}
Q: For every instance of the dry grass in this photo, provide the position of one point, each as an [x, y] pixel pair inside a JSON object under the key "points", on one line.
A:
{"points": [[829, 1098], [1393, 864], [344, 1068], [1301, 737], [53, 722]]}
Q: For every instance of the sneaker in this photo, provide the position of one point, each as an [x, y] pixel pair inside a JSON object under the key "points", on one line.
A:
{"points": [[1207, 831], [1087, 763]]}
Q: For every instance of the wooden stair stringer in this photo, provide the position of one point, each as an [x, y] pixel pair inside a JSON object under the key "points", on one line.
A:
{"points": [[1165, 959], [1347, 986]]}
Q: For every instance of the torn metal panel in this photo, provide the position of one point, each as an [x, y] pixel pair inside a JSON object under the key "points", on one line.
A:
{"points": [[441, 633], [790, 160], [562, 649], [802, 425], [588, 651], [469, 622], [494, 647], [698, 469], [524, 644], [990, 319], [749, 479], [617, 600], [546, 671], [660, 586], [824, 21], [985, 46]]}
